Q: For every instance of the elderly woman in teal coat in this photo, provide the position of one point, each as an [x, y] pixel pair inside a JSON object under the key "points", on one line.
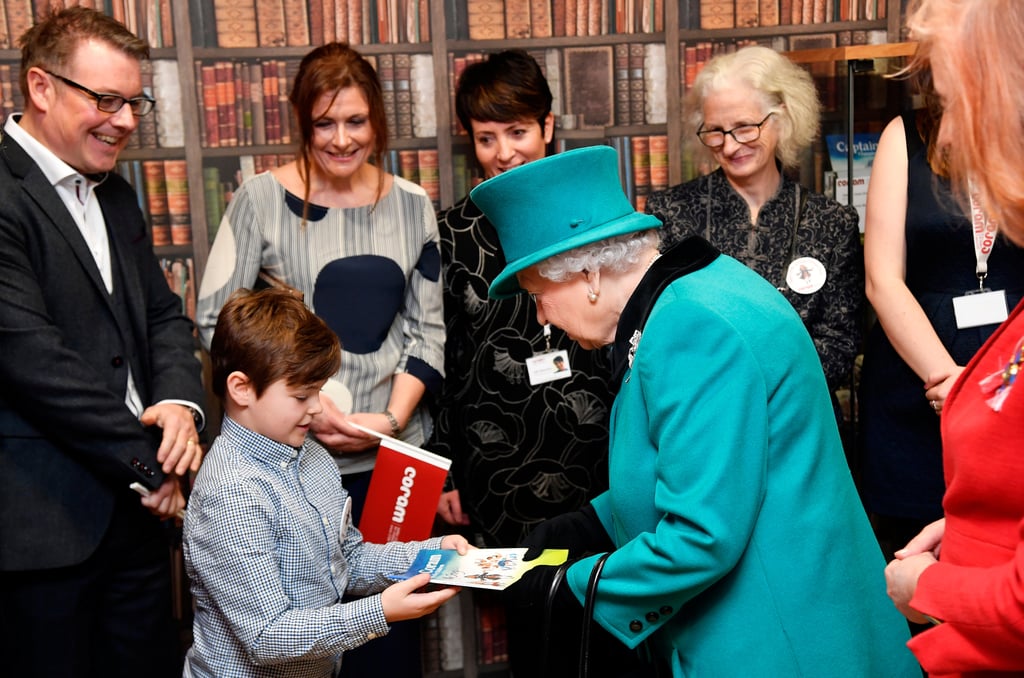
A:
{"points": [[738, 545]]}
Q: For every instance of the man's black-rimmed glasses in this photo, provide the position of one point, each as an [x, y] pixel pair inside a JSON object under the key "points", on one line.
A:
{"points": [[111, 103]]}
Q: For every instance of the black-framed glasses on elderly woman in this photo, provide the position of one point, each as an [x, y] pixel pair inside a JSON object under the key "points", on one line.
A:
{"points": [[111, 103], [743, 134]]}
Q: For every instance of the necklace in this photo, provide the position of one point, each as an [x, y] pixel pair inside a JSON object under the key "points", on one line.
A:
{"points": [[657, 255]]}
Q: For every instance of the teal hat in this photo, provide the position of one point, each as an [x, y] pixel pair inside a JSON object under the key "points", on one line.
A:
{"points": [[553, 205]]}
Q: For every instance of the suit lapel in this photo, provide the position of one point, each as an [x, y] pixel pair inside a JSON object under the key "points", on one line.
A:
{"points": [[52, 207]]}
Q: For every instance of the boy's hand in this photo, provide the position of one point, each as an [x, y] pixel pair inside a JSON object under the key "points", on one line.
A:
{"points": [[400, 601]]}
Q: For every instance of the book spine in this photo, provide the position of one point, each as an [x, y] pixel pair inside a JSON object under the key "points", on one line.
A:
{"points": [[5, 35], [641, 154], [403, 97], [717, 14], [386, 75], [156, 202], [168, 117], [19, 18], [540, 18], [658, 147], [271, 112], [176, 180], [424, 107], [211, 111], [486, 19], [355, 22], [296, 22], [559, 17], [430, 174], [748, 13], [768, 12], [517, 19], [621, 57], [270, 23], [236, 23], [636, 83]]}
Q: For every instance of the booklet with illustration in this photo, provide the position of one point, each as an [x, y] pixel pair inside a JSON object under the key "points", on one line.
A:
{"points": [[480, 568]]}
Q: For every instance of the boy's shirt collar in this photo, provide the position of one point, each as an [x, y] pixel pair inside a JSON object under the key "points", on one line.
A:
{"points": [[260, 447]]}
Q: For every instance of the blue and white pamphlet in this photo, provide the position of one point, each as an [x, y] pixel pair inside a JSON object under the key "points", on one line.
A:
{"points": [[864, 146], [495, 569]]}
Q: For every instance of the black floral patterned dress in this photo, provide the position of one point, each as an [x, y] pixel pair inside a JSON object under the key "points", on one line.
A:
{"points": [[520, 453], [827, 231]]}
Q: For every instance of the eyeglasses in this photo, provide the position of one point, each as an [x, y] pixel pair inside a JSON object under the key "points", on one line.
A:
{"points": [[112, 103], [744, 134]]}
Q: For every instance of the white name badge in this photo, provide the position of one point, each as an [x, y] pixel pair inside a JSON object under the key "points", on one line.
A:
{"points": [[806, 275], [548, 366], [980, 308]]}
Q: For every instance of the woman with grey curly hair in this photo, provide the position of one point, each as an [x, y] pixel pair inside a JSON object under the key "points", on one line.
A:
{"points": [[754, 113]]}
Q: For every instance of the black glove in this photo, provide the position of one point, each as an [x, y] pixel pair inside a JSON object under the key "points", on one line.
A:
{"points": [[579, 531]]}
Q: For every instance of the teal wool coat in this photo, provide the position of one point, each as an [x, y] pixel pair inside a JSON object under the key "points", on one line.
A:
{"points": [[741, 545]]}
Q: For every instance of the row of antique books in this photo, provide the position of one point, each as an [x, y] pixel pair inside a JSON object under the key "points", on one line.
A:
{"points": [[245, 103], [160, 129], [297, 23], [594, 86], [694, 55], [149, 19], [441, 634], [725, 14], [162, 187], [643, 165], [501, 19]]}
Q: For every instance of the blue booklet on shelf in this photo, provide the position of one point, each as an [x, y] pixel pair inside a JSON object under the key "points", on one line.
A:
{"points": [[479, 568]]}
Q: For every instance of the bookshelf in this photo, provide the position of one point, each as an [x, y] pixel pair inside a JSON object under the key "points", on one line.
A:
{"points": [[433, 35]]}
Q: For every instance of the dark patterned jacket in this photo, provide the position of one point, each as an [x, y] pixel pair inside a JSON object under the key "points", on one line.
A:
{"points": [[520, 453], [709, 206]]}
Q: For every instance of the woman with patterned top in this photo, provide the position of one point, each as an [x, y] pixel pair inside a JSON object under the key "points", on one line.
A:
{"points": [[526, 443], [361, 246], [755, 112], [522, 452]]}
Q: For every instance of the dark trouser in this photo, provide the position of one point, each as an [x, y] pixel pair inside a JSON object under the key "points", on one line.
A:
{"points": [[108, 617], [396, 655]]}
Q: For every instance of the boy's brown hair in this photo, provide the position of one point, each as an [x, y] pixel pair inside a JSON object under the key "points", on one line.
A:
{"points": [[270, 335]]}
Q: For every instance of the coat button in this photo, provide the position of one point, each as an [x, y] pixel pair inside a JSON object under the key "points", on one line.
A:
{"points": [[652, 617], [116, 361], [666, 609], [636, 626]]}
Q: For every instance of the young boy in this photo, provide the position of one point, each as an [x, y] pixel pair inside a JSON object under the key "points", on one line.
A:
{"points": [[269, 544]]}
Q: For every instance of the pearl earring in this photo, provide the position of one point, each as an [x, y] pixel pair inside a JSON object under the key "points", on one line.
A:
{"points": [[592, 296]]}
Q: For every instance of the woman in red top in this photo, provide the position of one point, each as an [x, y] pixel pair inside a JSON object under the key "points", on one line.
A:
{"points": [[966, 572]]}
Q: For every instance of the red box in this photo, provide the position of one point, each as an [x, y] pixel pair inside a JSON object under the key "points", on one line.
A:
{"points": [[406, 485]]}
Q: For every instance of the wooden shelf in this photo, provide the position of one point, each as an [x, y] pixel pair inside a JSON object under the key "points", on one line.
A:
{"points": [[852, 52]]}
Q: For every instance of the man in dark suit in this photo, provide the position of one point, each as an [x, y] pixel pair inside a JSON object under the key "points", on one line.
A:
{"points": [[98, 376]]}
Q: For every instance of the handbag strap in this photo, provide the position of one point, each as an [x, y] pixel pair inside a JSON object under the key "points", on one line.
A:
{"points": [[588, 614]]}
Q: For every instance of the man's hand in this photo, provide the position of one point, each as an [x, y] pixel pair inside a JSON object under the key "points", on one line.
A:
{"points": [[400, 601], [166, 501], [179, 449], [449, 508]]}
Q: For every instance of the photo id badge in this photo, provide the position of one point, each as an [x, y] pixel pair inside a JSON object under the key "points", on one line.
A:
{"points": [[980, 308], [548, 366]]}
